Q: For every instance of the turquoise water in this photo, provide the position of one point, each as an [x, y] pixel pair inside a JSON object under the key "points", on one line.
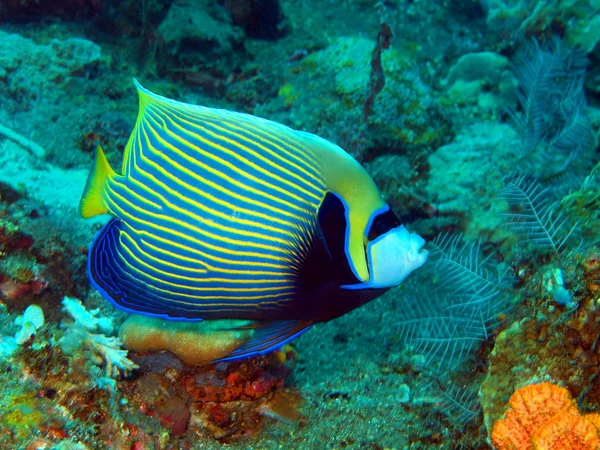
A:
{"points": [[478, 123]]}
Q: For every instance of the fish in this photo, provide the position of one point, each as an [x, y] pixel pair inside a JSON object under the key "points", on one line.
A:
{"points": [[224, 216]]}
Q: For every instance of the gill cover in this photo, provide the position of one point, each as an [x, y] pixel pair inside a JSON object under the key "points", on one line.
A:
{"points": [[392, 257]]}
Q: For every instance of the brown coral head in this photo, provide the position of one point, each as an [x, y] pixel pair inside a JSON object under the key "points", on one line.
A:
{"points": [[592, 262]]}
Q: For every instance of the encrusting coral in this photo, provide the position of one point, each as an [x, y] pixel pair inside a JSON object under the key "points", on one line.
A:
{"points": [[192, 342], [544, 416]]}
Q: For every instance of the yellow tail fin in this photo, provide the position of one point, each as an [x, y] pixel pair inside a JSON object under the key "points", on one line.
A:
{"points": [[92, 201]]}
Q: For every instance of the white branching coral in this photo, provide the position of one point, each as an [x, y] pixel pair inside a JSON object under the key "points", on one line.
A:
{"points": [[114, 357], [88, 334], [87, 319]]}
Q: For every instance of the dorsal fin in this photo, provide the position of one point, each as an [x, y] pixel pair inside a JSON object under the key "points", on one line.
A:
{"points": [[145, 96]]}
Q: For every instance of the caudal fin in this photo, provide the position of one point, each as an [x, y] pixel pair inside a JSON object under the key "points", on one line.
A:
{"points": [[92, 201]]}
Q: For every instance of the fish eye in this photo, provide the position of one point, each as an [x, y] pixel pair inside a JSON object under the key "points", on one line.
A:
{"points": [[382, 223]]}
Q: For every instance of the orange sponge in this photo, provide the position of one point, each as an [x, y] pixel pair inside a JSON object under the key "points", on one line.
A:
{"points": [[566, 430], [544, 417]]}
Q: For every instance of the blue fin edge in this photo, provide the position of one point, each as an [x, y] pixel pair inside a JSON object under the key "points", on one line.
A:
{"points": [[106, 228]]}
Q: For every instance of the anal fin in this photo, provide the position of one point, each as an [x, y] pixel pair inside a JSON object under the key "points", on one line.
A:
{"points": [[268, 336]]}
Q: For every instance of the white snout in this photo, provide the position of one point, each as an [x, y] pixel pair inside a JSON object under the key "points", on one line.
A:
{"points": [[392, 257]]}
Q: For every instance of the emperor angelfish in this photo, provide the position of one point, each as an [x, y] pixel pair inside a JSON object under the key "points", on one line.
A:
{"points": [[223, 215]]}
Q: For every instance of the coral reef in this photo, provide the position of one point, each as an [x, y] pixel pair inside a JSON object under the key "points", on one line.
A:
{"points": [[52, 399], [71, 388], [403, 115], [225, 402], [473, 91], [553, 345]]}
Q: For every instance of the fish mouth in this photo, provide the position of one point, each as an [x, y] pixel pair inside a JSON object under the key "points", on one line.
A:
{"points": [[417, 244], [418, 250]]}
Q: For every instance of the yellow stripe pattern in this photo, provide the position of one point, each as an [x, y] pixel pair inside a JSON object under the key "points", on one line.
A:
{"points": [[216, 213]]}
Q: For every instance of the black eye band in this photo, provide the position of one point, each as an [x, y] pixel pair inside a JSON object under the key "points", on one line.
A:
{"points": [[382, 224]]}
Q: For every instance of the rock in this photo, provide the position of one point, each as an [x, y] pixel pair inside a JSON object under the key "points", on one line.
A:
{"points": [[259, 18], [200, 34], [38, 77], [45, 183], [578, 19], [23, 10], [484, 79], [28, 66], [466, 175]]}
